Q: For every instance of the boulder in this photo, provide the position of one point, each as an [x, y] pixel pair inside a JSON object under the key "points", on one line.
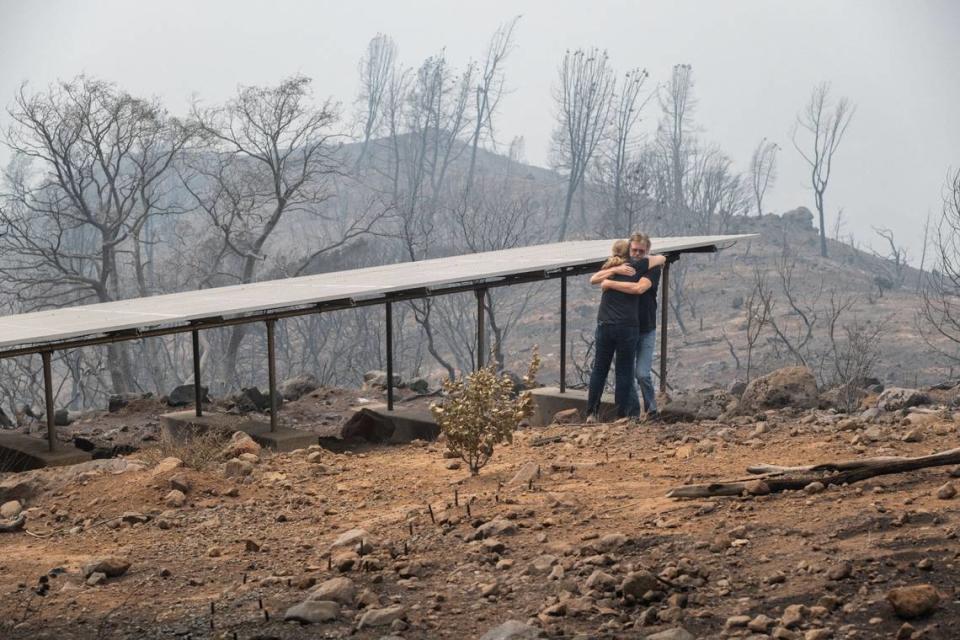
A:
{"points": [[789, 387], [62, 418], [183, 395], [845, 398], [896, 398], [419, 385], [801, 218], [313, 612], [110, 566], [5, 420], [676, 633], [298, 386], [382, 617], [567, 416], [339, 589], [690, 406], [378, 379], [11, 509], [251, 399], [367, 426], [239, 444], [913, 601], [638, 583], [118, 401]]}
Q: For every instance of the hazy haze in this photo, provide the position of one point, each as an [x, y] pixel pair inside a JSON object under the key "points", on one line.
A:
{"points": [[754, 64]]}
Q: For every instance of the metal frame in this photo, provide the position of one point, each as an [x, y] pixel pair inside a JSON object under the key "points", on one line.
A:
{"points": [[270, 317]]}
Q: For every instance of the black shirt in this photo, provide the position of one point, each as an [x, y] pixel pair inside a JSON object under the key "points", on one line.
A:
{"points": [[621, 308], [647, 303]]}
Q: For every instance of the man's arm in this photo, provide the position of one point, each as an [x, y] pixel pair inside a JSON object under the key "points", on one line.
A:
{"points": [[633, 288], [644, 264], [623, 269]]}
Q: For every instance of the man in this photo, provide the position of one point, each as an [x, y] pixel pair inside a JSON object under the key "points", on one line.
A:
{"points": [[618, 325], [646, 291]]}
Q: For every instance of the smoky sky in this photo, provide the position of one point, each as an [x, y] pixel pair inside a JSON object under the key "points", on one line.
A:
{"points": [[754, 62]]}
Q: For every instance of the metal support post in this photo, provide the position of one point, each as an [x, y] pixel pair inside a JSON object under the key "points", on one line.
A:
{"points": [[563, 334], [272, 372], [197, 390], [664, 305], [480, 322], [48, 392], [389, 306]]}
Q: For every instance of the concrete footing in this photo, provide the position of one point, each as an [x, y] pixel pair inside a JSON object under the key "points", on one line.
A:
{"points": [[548, 401], [19, 452], [182, 425]]}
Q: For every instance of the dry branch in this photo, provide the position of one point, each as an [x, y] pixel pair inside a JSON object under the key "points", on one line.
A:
{"points": [[780, 478]]}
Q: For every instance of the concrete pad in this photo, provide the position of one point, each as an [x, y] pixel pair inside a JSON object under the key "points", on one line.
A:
{"points": [[180, 426], [548, 401], [375, 423], [19, 452]]}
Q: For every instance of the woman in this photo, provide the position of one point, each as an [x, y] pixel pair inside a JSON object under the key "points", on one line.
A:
{"points": [[618, 321]]}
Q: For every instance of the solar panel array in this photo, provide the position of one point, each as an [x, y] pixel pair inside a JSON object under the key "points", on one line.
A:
{"points": [[178, 309]]}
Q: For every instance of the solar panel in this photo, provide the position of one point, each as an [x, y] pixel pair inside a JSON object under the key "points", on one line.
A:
{"points": [[45, 328]]}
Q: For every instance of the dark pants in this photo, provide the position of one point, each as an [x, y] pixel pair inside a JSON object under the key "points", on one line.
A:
{"points": [[617, 344]]}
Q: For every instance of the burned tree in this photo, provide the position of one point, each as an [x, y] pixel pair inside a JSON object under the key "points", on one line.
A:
{"points": [[824, 124], [583, 98], [763, 171]]}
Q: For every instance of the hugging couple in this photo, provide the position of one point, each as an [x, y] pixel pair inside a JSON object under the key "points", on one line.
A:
{"points": [[626, 327]]}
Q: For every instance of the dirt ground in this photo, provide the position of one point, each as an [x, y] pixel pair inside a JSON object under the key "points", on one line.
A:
{"points": [[241, 551]]}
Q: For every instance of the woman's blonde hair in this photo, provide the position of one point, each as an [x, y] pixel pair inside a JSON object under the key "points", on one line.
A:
{"points": [[619, 253]]}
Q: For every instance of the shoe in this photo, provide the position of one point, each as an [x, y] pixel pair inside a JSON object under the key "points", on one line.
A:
{"points": [[653, 417], [592, 419]]}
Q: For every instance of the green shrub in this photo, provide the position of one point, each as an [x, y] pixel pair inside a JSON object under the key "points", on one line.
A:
{"points": [[482, 411]]}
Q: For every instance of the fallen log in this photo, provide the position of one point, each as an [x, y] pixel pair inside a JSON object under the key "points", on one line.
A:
{"points": [[780, 478]]}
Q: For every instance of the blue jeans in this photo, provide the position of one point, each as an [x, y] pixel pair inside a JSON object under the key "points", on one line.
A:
{"points": [[646, 345], [614, 344]]}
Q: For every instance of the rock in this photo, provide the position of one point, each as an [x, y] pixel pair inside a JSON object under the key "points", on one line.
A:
{"points": [[757, 488], [496, 527], [353, 538], [818, 634], [799, 218], [363, 424], [61, 418], [419, 385], [737, 387], [175, 499], [312, 612], [610, 542], [95, 578], [525, 474], [237, 468], [542, 564], [793, 615], [110, 566], [782, 633], [184, 394], [736, 622], [636, 584], [914, 435], [239, 444], [181, 482], [454, 465], [118, 401], [11, 509], [378, 379], [513, 630], [252, 399], [5, 420], [676, 633], [896, 398], [567, 416], [166, 466], [947, 491], [298, 386], [814, 487], [788, 387], [845, 398], [601, 581], [841, 571], [382, 617], [761, 623], [690, 406], [913, 601], [339, 589], [344, 561]]}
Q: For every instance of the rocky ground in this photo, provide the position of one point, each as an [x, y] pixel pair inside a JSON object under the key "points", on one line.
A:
{"points": [[566, 533]]}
